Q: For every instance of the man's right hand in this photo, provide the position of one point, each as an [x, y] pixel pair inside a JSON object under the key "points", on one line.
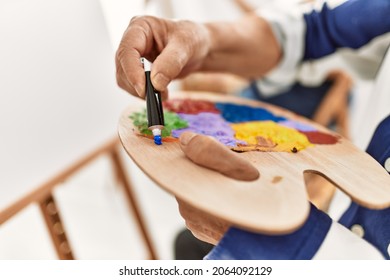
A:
{"points": [[247, 48], [176, 48]]}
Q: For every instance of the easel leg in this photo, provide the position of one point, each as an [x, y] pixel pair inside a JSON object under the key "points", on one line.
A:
{"points": [[57, 232], [122, 178]]}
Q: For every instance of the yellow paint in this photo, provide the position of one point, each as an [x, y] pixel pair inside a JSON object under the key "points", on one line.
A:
{"points": [[285, 138]]}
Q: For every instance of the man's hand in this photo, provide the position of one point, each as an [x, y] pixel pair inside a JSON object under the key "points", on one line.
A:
{"points": [[247, 48], [176, 48], [203, 226], [207, 152]]}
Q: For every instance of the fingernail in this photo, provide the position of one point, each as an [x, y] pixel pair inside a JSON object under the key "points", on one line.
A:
{"points": [[160, 81], [186, 137]]}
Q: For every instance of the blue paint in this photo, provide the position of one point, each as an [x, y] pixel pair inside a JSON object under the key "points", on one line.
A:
{"points": [[157, 140], [242, 113]]}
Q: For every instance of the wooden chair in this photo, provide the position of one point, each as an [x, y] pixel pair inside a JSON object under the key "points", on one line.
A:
{"points": [[43, 196]]}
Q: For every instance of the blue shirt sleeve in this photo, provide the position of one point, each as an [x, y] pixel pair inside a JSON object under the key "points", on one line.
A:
{"points": [[302, 244], [351, 25], [375, 223]]}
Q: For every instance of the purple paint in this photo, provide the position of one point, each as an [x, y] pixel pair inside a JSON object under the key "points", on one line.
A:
{"points": [[297, 125], [211, 124]]}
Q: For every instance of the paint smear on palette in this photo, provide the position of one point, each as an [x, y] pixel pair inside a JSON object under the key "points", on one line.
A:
{"points": [[189, 106], [210, 124], [318, 137], [297, 125], [235, 113], [172, 121], [240, 127], [270, 136]]}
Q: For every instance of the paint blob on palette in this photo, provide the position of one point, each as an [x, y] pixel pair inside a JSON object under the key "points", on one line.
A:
{"points": [[240, 127]]}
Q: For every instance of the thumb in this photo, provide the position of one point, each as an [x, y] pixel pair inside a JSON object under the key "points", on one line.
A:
{"points": [[168, 66], [183, 51], [207, 152]]}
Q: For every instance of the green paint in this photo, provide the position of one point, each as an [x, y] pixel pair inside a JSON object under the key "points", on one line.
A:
{"points": [[172, 121]]}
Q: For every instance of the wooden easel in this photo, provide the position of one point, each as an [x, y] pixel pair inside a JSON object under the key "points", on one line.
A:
{"points": [[43, 196]]}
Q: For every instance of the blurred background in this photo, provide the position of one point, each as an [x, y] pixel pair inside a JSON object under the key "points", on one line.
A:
{"points": [[59, 109]]}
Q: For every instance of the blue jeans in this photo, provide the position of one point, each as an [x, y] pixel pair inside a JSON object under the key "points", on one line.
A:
{"points": [[302, 100]]}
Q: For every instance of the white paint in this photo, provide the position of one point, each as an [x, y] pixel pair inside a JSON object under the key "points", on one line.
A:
{"points": [[156, 131]]}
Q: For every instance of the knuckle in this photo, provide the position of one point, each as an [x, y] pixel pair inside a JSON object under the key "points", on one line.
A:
{"points": [[124, 49], [120, 53], [143, 21]]}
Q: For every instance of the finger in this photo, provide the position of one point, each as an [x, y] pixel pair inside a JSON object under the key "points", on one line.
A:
{"points": [[204, 234], [202, 225], [209, 153], [136, 41], [168, 65], [123, 83], [187, 45], [164, 94], [132, 72]]}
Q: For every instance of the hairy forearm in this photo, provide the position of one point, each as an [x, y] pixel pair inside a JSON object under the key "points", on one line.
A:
{"points": [[247, 47]]}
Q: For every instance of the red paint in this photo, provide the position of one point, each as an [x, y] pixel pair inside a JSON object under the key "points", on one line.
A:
{"points": [[189, 106], [318, 137]]}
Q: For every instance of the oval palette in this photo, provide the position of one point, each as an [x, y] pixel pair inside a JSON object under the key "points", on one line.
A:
{"points": [[280, 144]]}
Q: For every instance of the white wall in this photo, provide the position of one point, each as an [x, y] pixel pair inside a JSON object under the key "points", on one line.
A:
{"points": [[59, 101]]}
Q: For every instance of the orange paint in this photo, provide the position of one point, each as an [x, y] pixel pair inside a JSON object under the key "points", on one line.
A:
{"points": [[168, 139]]}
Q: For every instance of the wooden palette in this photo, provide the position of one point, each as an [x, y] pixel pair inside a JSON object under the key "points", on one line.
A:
{"points": [[275, 203]]}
